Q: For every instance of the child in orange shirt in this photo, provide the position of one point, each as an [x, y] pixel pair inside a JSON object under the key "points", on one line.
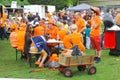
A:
{"points": [[76, 38]]}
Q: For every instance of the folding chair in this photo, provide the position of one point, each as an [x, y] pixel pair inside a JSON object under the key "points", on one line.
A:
{"points": [[17, 52], [30, 55]]}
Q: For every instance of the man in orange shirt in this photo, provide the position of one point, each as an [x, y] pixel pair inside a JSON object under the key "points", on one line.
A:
{"points": [[79, 21], [38, 30], [3, 26], [95, 33], [52, 30], [42, 24]]}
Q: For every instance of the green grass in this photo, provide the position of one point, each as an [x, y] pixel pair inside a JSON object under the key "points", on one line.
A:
{"points": [[107, 69]]}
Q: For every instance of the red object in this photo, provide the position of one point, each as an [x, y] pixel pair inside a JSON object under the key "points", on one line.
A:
{"points": [[109, 39], [52, 44]]}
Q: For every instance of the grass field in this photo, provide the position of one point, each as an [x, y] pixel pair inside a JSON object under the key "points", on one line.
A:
{"points": [[107, 69]]}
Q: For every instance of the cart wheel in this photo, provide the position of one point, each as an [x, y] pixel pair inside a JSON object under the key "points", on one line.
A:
{"points": [[91, 70], [61, 69], [68, 72], [81, 68]]}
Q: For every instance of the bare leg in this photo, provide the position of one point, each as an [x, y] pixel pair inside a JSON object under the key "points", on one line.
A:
{"points": [[39, 59], [95, 53], [99, 53], [44, 56]]}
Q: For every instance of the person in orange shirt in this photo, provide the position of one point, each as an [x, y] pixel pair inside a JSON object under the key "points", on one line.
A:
{"points": [[20, 39], [76, 38], [52, 30], [13, 35], [79, 21], [38, 30], [23, 26], [48, 15], [42, 24], [62, 31], [3, 27], [95, 33], [67, 40]]}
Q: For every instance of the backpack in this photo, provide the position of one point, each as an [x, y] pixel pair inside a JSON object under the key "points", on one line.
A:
{"points": [[52, 64], [76, 51]]}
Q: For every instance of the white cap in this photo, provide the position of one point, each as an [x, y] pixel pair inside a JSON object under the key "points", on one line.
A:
{"points": [[36, 23]]}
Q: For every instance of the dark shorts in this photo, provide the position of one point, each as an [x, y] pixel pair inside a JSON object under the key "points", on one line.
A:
{"points": [[96, 42]]}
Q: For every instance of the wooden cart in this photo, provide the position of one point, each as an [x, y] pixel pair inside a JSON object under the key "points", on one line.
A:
{"points": [[82, 63]]}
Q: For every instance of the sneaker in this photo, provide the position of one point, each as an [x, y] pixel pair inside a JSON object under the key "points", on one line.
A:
{"points": [[98, 60], [95, 58]]}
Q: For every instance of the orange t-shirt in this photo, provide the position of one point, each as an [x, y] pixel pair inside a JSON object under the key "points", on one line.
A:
{"points": [[89, 22], [44, 27], [61, 34], [80, 24], [38, 31], [95, 31], [23, 26], [67, 42], [4, 16], [20, 39], [53, 32], [2, 22], [76, 39], [13, 39]]}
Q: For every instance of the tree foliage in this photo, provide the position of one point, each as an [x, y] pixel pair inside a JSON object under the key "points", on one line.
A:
{"points": [[60, 4], [19, 2]]}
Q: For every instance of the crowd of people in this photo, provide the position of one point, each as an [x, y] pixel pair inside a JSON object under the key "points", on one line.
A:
{"points": [[73, 28]]}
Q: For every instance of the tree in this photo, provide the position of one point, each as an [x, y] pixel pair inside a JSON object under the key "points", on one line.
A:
{"points": [[60, 4]]}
